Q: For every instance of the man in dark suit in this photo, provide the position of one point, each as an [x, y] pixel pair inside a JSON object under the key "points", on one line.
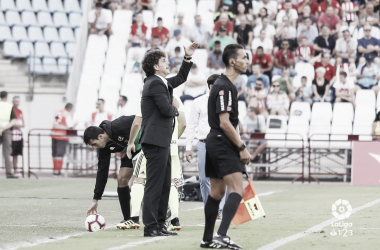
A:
{"points": [[158, 111]]}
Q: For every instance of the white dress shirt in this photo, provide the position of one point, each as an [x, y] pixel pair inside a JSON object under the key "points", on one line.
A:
{"points": [[198, 118], [164, 80]]}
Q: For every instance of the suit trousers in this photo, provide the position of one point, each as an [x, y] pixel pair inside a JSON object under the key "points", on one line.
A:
{"points": [[157, 186], [6, 140]]}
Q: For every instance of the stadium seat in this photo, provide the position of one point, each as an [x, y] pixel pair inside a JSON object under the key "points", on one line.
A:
{"points": [[29, 18], [2, 18], [339, 134], [300, 110], [131, 88], [41, 49], [206, 6], [86, 98], [56, 6], [45, 19], [75, 20], [8, 5], [71, 49], [277, 125], [148, 18], [166, 5], [365, 97], [321, 111], [121, 25], [298, 129], [24, 5], [343, 112], [13, 18], [60, 19], [364, 117], [98, 42], [10, 49], [189, 9], [77, 32], [109, 91], [35, 65], [35, 34], [19, 33], [109, 82], [320, 130], [64, 65], [66, 35], [113, 66], [5, 33], [138, 53], [304, 69], [201, 61], [90, 81], [40, 5], [72, 6], [58, 50], [51, 34], [50, 65], [242, 107], [26, 49]]}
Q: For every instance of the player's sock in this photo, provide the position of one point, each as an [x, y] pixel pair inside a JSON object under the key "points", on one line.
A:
{"points": [[173, 202], [137, 195], [229, 211], [211, 212], [125, 201], [57, 163]]}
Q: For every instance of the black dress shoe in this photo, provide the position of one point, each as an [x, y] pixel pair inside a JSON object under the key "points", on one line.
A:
{"points": [[154, 233], [165, 231], [12, 176]]}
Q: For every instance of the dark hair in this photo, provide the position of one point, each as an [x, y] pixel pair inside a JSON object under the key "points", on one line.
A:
{"points": [[92, 133], [217, 42], [177, 49], [159, 19], [211, 79], [304, 77], [102, 100], [260, 79], [98, 4], [342, 73], [150, 59], [260, 47], [325, 25], [258, 64], [377, 117], [69, 106], [230, 52], [124, 98], [3, 94]]}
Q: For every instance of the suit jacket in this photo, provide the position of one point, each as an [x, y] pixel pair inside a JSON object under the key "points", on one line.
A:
{"points": [[156, 107]]}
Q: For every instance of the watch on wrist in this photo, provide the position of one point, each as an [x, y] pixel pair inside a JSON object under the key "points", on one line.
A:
{"points": [[187, 58], [242, 147]]}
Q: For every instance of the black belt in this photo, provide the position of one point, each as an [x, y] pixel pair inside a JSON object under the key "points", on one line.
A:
{"points": [[204, 140]]}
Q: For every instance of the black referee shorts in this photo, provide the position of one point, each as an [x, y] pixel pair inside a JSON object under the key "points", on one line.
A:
{"points": [[126, 162], [222, 157]]}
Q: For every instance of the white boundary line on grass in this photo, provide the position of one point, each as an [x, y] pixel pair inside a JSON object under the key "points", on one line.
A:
{"points": [[316, 228], [133, 244]]}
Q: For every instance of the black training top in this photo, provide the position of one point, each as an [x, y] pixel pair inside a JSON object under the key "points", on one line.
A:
{"points": [[223, 99]]}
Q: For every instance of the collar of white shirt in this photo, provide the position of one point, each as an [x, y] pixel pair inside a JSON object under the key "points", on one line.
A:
{"points": [[164, 80]]}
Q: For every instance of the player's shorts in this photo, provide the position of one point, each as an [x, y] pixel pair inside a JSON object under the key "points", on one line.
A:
{"points": [[126, 162], [222, 157], [58, 148], [17, 147], [140, 169]]}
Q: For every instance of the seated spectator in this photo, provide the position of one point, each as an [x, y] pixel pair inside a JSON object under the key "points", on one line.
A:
{"points": [[155, 44], [331, 19], [307, 13], [254, 123], [136, 68], [321, 86], [223, 21], [289, 12], [176, 61], [223, 8], [263, 13], [369, 45], [375, 31], [245, 5], [257, 74], [138, 33], [304, 93], [177, 41], [100, 20], [256, 97], [344, 90], [368, 75], [284, 58], [307, 30], [293, 44], [263, 42], [144, 5], [286, 84], [334, 4], [215, 60], [241, 86], [195, 86], [269, 28], [311, 4], [222, 38], [348, 13], [243, 13], [369, 11], [376, 127], [345, 48], [325, 63], [185, 31], [305, 52], [267, 4], [243, 33], [199, 32], [285, 24], [265, 61], [278, 101], [324, 42], [161, 32]]}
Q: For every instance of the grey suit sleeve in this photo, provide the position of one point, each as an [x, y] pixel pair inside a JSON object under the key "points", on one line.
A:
{"points": [[161, 99]]}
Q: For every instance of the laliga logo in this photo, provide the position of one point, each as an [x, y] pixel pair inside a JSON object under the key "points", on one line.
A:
{"points": [[341, 209]]}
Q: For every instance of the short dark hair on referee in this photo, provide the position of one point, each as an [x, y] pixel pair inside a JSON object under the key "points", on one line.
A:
{"points": [[231, 52], [68, 106], [211, 79], [92, 133], [150, 59]]}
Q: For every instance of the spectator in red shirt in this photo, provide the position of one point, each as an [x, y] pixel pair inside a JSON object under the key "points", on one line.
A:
{"points": [[144, 5], [305, 52], [265, 60], [331, 19], [17, 139], [325, 63], [311, 3], [284, 58], [323, 6], [224, 20], [138, 33], [161, 32]]}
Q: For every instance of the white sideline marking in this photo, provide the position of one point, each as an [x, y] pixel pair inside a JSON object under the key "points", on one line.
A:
{"points": [[313, 229], [133, 244]]}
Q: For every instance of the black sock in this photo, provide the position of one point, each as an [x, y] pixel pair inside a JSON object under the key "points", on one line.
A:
{"points": [[211, 212], [135, 219], [125, 201], [229, 210]]}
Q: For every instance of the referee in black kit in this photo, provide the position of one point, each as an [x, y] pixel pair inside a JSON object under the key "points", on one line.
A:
{"points": [[226, 153]]}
